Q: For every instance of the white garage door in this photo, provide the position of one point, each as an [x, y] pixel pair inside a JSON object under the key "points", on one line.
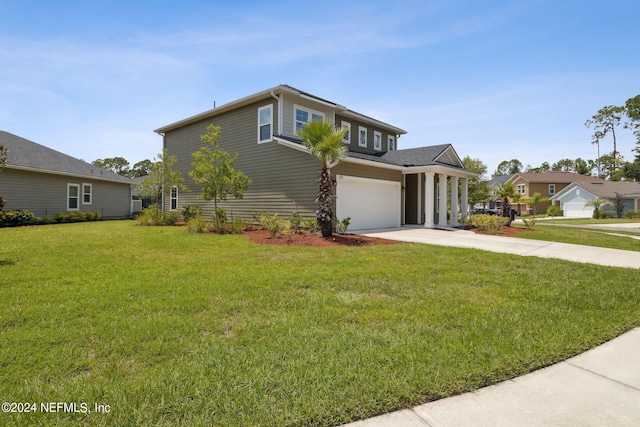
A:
{"points": [[577, 210], [370, 203]]}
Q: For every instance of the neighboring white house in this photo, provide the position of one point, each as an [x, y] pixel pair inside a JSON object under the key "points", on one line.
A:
{"points": [[573, 197]]}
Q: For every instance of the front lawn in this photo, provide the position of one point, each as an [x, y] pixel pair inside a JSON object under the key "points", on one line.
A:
{"points": [[170, 328]]}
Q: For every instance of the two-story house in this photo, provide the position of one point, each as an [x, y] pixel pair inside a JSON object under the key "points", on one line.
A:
{"points": [[377, 185], [546, 183]]}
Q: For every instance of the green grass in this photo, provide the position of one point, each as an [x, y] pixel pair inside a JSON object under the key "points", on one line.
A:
{"points": [[171, 328], [581, 221], [583, 236]]}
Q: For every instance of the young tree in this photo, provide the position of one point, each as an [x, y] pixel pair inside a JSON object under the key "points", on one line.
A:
{"points": [[504, 193], [508, 167], [162, 178], [324, 142], [618, 204], [535, 199], [604, 122], [212, 167], [478, 189]]}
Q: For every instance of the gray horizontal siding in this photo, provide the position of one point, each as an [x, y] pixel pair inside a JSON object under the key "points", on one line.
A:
{"points": [[355, 130], [46, 194], [283, 179]]}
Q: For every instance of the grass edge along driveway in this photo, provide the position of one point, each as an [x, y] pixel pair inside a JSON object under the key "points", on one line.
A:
{"points": [[170, 328]]}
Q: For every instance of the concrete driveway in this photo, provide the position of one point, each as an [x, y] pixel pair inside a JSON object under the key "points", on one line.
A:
{"points": [[523, 247]]}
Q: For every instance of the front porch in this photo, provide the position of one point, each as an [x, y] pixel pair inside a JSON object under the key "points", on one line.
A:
{"points": [[436, 197]]}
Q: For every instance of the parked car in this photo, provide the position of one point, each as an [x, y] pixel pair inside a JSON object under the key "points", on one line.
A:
{"points": [[485, 211]]}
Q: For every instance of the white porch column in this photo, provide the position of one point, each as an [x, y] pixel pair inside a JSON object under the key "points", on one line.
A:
{"points": [[464, 198], [442, 204], [419, 213], [454, 200], [429, 186]]}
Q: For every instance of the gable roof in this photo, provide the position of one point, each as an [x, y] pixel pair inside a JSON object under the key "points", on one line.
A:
{"points": [[272, 92], [552, 177], [500, 179], [28, 155], [602, 188]]}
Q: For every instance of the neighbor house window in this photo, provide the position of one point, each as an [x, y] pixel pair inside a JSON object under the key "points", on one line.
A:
{"points": [[377, 141], [86, 194], [522, 189], [73, 197], [391, 143], [305, 115], [552, 189], [362, 136], [265, 121], [174, 198], [347, 136]]}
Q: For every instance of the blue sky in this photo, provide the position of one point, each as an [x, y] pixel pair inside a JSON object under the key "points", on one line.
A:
{"points": [[497, 79]]}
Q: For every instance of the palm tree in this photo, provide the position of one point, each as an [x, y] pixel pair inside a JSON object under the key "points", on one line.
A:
{"points": [[324, 142], [597, 203], [535, 199], [504, 192]]}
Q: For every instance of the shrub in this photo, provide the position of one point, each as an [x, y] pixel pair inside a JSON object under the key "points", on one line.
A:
{"points": [[191, 211], [272, 224], [342, 226], [296, 222], [600, 214], [530, 222], [554, 210], [311, 225], [237, 225], [17, 218], [197, 224], [632, 214], [485, 222]]}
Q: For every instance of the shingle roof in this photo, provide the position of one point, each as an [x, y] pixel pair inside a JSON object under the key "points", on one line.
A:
{"points": [[30, 155], [607, 189], [553, 177], [422, 156]]}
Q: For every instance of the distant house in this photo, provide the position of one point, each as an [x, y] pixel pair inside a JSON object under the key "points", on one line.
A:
{"points": [[494, 183], [377, 185], [45, 181], [546, 183], [573, 197]]}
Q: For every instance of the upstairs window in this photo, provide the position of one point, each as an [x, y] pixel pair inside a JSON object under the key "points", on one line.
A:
{"points": [[86, 194], [362, 136], [377, 141], [73, 197], [347, 136], [522, 189], [305, 115], [552, 189], [391, 143], [265, 121]]}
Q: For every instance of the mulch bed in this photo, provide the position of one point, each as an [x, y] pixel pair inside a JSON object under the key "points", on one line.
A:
{"points": [[260, 235]]}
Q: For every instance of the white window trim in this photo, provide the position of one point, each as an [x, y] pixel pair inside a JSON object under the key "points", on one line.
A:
{"points": [[79, 194], [308, 110], [175, 187], [523, 187], [360, 129], [377, 140], [554, 189], [84, 184], [347, 137], [391, 143], [270, 107]]}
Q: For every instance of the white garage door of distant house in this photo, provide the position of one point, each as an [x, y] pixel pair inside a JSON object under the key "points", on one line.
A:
{"points": [[370, 203], [577, 210]]}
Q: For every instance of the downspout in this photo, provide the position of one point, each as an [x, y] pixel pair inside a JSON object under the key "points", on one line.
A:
{"points": [[279, 130]]}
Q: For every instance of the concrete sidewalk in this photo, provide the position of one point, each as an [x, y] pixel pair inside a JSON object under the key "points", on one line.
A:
{"points": [[524, 247], [598, 388]]}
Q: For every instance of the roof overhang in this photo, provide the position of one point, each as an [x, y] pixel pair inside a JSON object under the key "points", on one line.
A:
{"points": [[74, 175], [441, 169]]}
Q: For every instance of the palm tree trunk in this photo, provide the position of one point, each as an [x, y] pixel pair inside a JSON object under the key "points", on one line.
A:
{"points": [[324, 214]]}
